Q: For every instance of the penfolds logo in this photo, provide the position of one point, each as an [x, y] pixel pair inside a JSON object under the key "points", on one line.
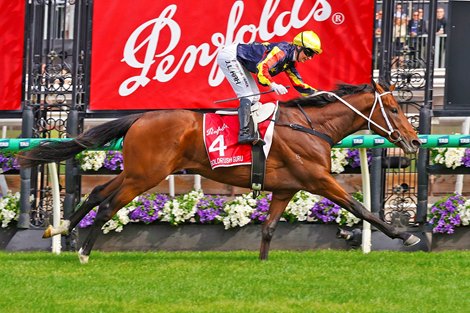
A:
{"points": [[213, 131], [164, 66]]}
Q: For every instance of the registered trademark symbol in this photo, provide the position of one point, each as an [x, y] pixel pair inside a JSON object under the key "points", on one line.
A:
{"points": [[338, 18]]}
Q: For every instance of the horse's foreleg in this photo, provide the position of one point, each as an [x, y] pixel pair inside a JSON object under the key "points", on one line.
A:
{"points": [[98, 195], [333, 191], [361, 212], [278, 205]]}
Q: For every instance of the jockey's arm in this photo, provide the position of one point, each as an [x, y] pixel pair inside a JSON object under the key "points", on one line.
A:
{"points": [[271, 59], [299, 85]]}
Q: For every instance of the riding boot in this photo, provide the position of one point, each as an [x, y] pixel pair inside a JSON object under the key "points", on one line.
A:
{"points": [[246, 133]]}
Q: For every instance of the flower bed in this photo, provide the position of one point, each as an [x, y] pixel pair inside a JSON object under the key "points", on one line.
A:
{"points": [[450, 157], [195, 207], [448, 213], [310, 222]]}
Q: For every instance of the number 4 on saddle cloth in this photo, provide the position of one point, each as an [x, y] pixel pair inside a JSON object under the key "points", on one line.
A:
{"points": [[221, 141]]}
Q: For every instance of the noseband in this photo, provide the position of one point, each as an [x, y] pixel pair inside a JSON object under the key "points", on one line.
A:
{"points": [[394, 135]]}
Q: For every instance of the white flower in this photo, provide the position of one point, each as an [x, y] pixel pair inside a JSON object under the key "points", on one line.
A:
{"points": [[450, 157], [338, 160], [300, 205], [109, 226], [181, 208], [464, 212], [118, 221], [9, 208], [92, 160], [346, 218], [238, 211]]}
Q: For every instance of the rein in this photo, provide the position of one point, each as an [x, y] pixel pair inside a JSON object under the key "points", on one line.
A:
{"points": [[378, 99], [304, 129]]}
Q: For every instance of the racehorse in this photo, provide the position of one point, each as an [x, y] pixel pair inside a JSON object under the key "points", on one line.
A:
{"points": [[159, 143]]}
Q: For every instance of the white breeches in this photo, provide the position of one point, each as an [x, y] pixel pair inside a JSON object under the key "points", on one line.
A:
{"points": [[239, 78]]}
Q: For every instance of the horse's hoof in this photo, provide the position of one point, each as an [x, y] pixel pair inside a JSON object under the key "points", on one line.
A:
{"points": [[411, 241], [48, 232], [83, 258]]}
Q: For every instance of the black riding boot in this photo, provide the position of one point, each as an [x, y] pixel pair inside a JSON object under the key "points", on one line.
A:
{"points": [[247, 132]]}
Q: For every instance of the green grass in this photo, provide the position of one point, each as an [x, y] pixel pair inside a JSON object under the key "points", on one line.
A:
{"points": [[315, 281]]}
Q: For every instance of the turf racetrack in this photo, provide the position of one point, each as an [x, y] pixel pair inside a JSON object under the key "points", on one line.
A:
{"points": [[314, 281]]}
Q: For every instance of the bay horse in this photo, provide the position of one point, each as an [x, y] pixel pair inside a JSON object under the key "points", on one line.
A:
{"points": [[159, 143]]}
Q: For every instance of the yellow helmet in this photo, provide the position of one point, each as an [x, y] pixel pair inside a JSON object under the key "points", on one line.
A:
{"points": [[308, 39]]}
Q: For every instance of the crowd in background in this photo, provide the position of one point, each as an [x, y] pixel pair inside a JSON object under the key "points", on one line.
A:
{"points": [[410, 29], [413, 26]]}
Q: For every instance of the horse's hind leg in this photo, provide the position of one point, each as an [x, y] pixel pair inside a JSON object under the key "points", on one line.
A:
{"points": [[279, 203], [98, 195], [128, 190]]}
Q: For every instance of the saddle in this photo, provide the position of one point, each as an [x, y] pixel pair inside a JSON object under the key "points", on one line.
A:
{"points": [[259, 111]]}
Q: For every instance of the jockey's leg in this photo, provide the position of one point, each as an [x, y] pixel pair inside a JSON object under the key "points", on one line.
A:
{"points": [[244, 86], [247, 132]]}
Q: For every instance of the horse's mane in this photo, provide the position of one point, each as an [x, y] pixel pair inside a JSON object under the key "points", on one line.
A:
{"points": [[323, 99]]}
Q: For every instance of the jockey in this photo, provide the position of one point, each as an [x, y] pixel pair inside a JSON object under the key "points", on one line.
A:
{"points": [[265, 60]]}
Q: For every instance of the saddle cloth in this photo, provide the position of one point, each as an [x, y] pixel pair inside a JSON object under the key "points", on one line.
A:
{"points": [[220, 133]]}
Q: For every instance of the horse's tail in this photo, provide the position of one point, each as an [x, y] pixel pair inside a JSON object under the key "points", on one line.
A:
{"points": [[49, 152]]}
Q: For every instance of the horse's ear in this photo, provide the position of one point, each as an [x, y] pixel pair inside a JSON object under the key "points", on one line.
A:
{"points": [[392, 87], [374, 85]]}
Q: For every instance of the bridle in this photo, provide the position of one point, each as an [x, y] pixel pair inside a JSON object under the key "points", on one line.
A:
{"points": [[394, 135]]}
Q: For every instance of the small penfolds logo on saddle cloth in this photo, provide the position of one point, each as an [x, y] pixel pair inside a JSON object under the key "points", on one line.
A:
{"points": [[221, 140]]}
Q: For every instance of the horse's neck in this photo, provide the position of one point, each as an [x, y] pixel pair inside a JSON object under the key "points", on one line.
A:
{"points": [[338, 121]]}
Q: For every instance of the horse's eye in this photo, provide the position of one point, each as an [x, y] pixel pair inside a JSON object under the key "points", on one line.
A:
{"points": [[394, 110]]}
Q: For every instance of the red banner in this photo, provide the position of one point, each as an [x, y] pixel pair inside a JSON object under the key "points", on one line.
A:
{"points": [[11, 53], [162, 54]]}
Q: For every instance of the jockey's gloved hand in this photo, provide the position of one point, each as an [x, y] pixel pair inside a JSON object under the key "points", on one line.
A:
{"points": [[279, 89]]}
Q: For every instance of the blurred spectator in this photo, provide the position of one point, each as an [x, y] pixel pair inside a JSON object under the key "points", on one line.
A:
{"points": [[421, 18], [399, 11], [399, 35], [421, 13], [378, 23], [441, 22], [416, 26]]}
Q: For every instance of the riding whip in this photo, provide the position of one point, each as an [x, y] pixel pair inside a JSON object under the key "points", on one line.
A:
{"points": [[252, 95]]}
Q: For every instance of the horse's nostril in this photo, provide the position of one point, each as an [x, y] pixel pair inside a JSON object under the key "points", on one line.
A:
{"points": [[416, 143]]}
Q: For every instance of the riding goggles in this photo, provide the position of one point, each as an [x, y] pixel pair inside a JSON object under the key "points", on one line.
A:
{"points": [[309, 52]]}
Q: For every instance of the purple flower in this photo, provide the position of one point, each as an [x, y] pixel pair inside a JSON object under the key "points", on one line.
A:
{"points": [[88, 219], [466, 158], [354, 159], [444, 215], [209, 208], [8, 162], [148, 208], [113, 160], [262, 207], [325, 210]]}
